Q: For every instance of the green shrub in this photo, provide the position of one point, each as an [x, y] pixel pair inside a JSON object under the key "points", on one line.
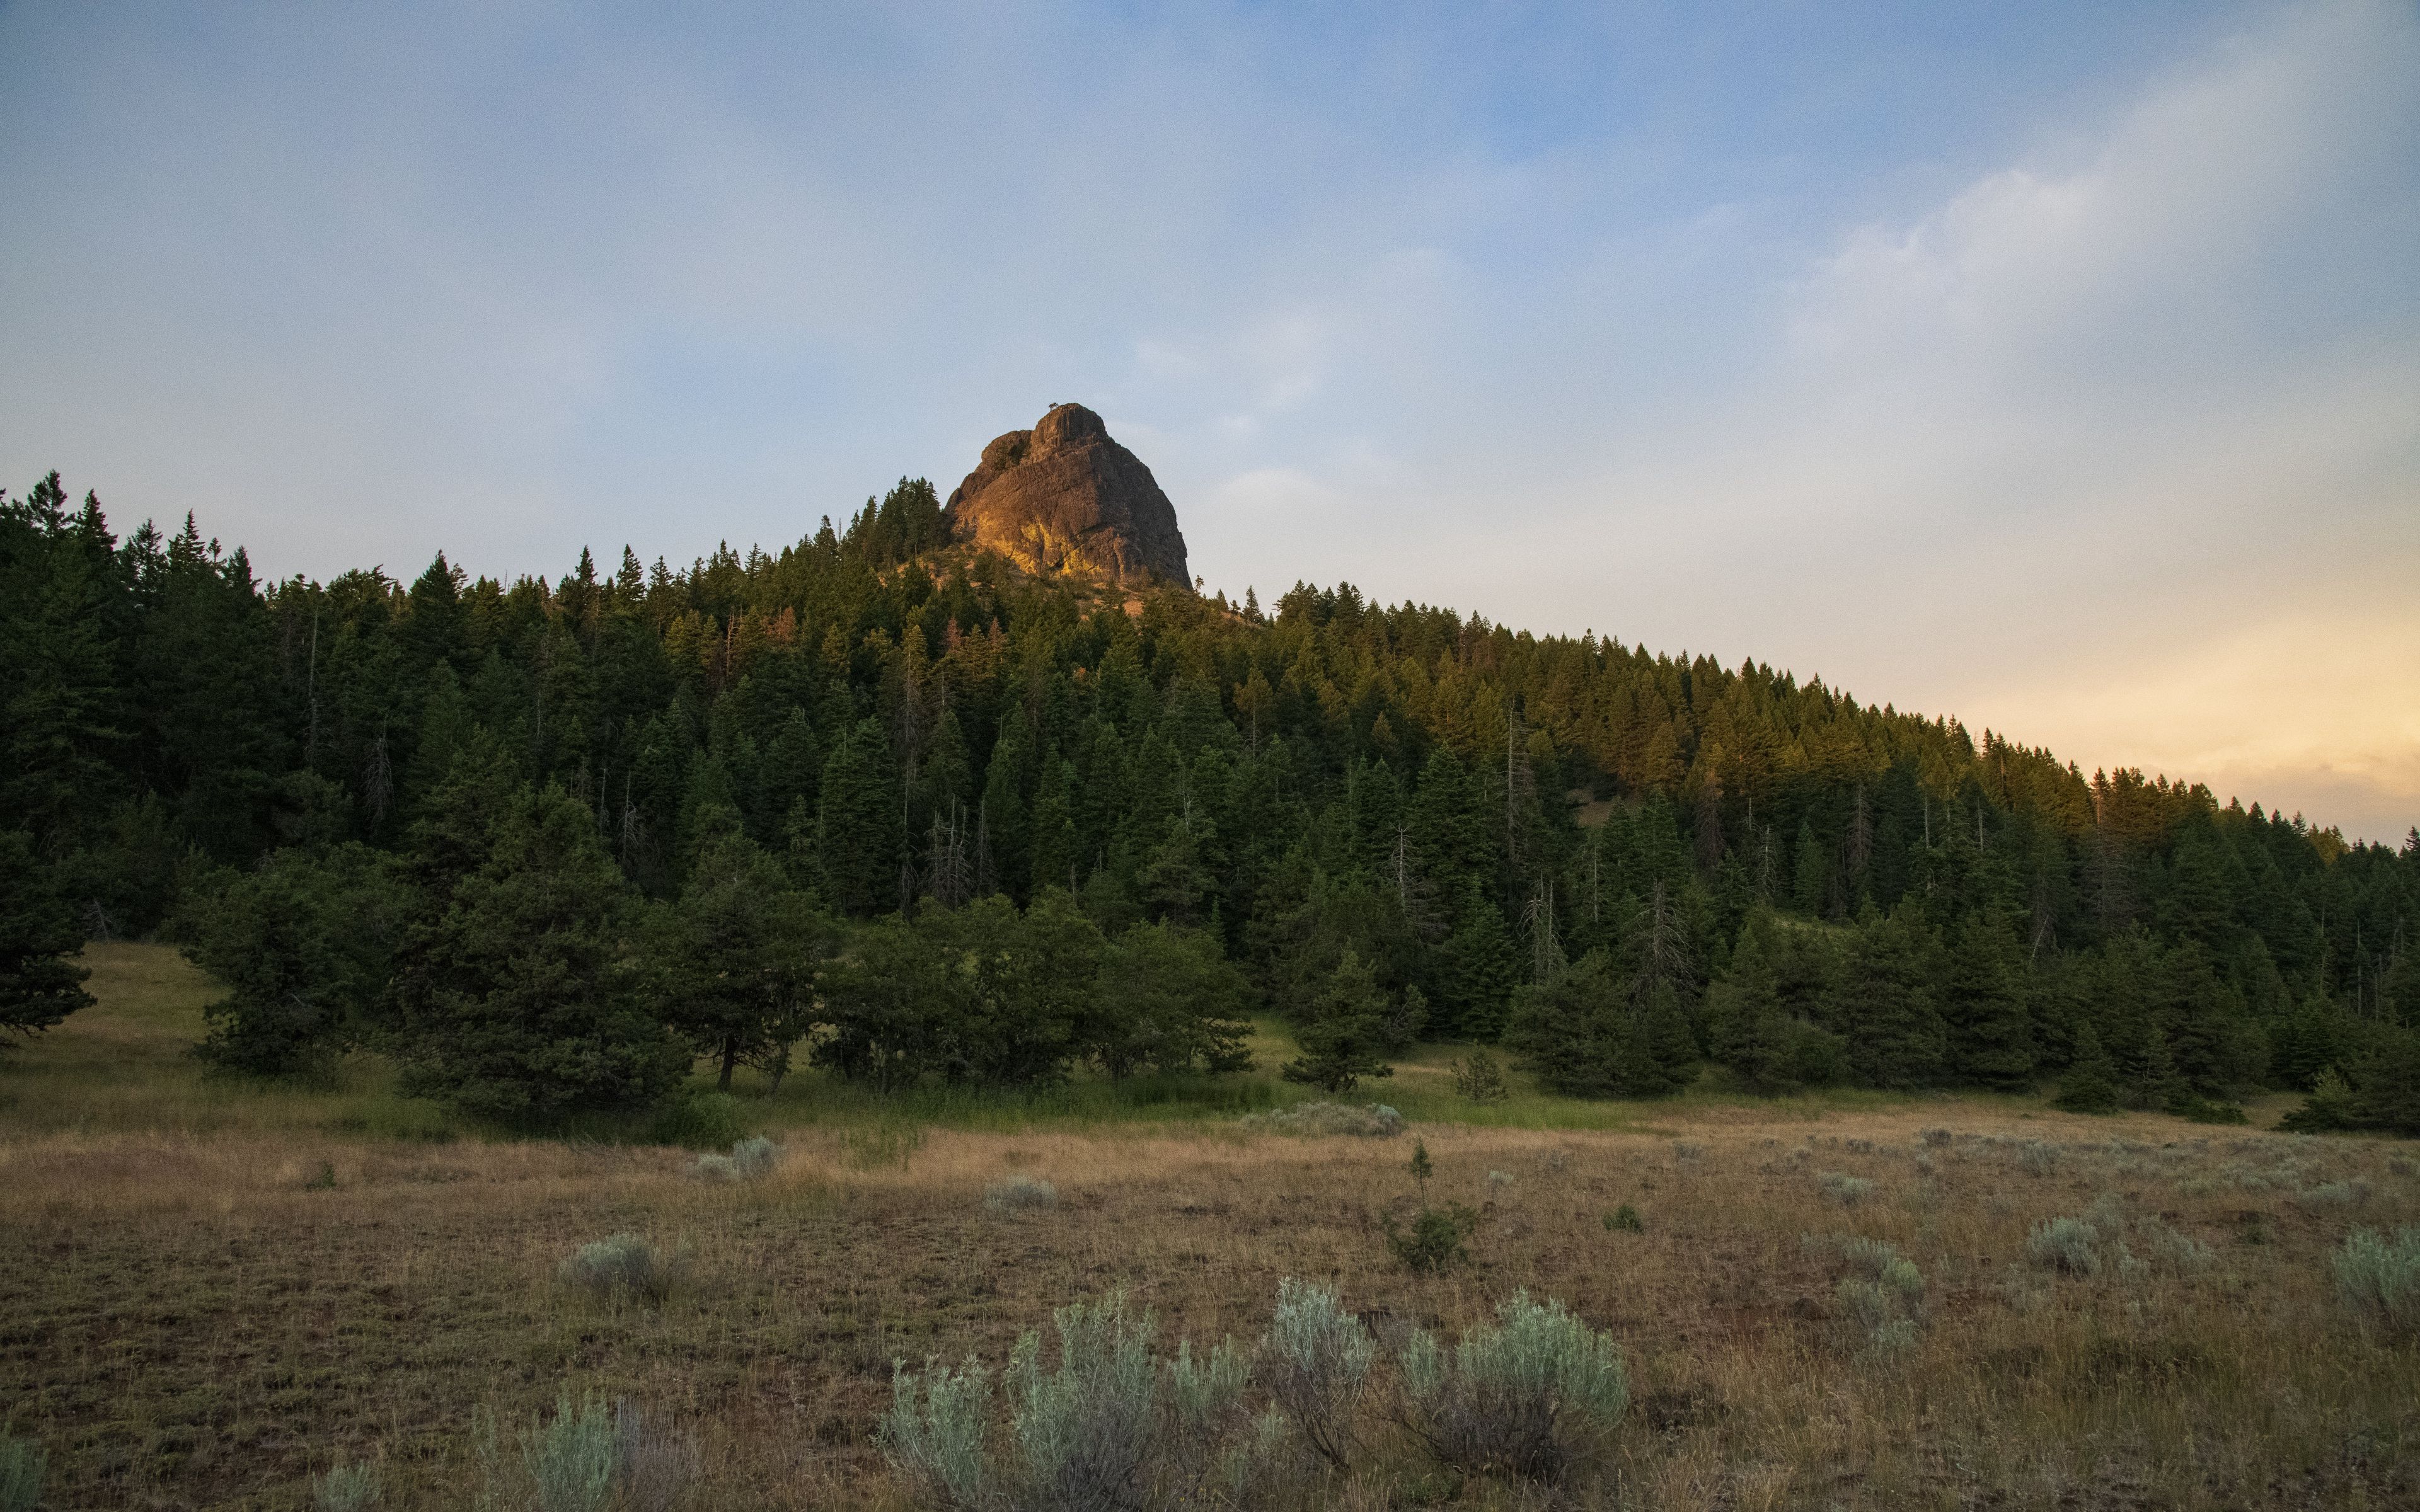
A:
{"points": [[623, 1265], [1480, 1079], [1625, 1220], [1524, 1397], [701, 1120], [24, 1466], [2065, 1244], [1020, 1193], [1435, 1238], [2379, 1279], [347, 1488], [1315, 1360]]}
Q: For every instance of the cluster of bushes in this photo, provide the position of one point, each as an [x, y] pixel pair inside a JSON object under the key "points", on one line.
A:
{"points": [[1109, 1424]]}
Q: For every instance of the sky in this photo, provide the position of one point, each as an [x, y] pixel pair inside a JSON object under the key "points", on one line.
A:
{"points": [[2054, 366]]}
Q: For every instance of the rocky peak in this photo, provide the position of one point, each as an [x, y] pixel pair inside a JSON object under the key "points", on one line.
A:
{"points": [[1065, 497]]}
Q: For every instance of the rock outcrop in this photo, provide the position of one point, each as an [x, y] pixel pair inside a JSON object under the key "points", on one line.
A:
{"points": [[1063, 497]]}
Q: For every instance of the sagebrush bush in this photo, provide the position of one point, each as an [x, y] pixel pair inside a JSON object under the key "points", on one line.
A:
{"points": [[1374, 1121], [24, 1467], [2066, 1244], [1315, 1359], [1104, 1426], [1084, 1431], [569, 1461], [933, 1434], [1936, 1138], [1881, 1295], [755, 1156], [2038, 1157], [1525, 1397], [347, 1488], [1625, 1220], [748, 1159], [2378, 1279], [1848, 1191], [1020, 1193], [2351, 1193], [623, 1265]]}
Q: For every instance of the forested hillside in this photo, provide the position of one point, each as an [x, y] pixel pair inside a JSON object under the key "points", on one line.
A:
{"points": [[893, 801]]}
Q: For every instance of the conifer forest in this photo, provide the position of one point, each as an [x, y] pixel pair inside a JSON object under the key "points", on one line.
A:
{"points": [[886, 807]]}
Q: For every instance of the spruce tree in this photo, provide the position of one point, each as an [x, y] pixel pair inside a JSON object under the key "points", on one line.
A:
{"points": [[516, 992], [2090, 1084], [1887, 1012], [39, 984], [857, 824], [1341, 1037], [1991, 1039]]}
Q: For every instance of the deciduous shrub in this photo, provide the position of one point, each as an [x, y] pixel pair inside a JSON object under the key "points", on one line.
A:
{"points": [[1525, 1397], [2379, 1279], [1020, 1193], [623, 1265]]}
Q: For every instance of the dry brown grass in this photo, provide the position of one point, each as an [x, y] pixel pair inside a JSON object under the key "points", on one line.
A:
{"points": [[196, 1319]]}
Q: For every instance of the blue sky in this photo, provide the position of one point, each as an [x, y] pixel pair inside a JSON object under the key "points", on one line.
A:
{"points": [[2057, 366]]}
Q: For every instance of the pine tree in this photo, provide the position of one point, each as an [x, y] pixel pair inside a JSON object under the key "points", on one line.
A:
{"points": [[1341, 1037], [730, 963]]}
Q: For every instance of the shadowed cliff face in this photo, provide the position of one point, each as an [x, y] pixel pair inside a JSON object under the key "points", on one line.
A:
{"points": [[1063, 497]]}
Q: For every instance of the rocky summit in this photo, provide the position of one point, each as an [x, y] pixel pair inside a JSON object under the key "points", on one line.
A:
{"points": [[1065, 498]]}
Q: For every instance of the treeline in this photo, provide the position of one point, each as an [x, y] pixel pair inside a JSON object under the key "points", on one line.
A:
{"points": [[1387, 824]]}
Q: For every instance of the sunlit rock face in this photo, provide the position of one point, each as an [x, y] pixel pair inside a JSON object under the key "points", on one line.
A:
{"points": [[1065, 498]]}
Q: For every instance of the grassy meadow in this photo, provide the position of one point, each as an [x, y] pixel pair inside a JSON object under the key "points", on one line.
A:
{"points": [[214, 1288]]}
